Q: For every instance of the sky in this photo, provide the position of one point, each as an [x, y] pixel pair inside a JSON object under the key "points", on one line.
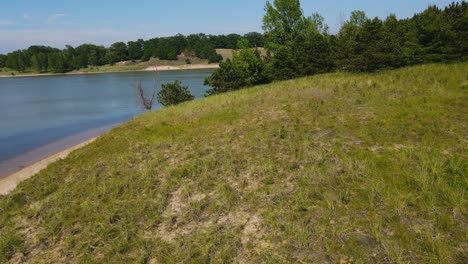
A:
{"points": [[57, 23]]}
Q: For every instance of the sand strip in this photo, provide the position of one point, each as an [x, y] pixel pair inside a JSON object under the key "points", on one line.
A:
{"points": [[151, 68], [28, 164], [10, 182], [183, 67]]}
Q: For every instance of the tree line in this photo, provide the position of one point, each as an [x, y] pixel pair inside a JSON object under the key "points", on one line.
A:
{"points": [[48, 59], [299, 45]]}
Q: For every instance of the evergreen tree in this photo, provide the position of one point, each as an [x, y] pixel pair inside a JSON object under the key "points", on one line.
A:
{"points": [[3, 59], [56, 62], [17, 60], [35, 65], [135, 49], [117, 52], [255, 39], [297, 45], [456, 15], [346, 41]]}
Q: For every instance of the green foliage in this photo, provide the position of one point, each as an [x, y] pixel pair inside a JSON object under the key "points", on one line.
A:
{"points": [[164, 48], [84, 55], [367, 45], [117, 52], [255, 39], [174, 93], [245, 69], [307, 52], [3, 59], [56, 62], [224, 79], [434, 35], [224, 41], [201, 46], [39, 62], [135, 49], [357, 19], [298, 45], [17, 60], [280, 21]]}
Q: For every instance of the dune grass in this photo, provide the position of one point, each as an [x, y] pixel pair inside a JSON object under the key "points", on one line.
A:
{"points": [[348, 168]]}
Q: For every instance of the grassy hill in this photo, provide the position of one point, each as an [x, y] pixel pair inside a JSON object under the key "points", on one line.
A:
{"points": [[362, 168]]}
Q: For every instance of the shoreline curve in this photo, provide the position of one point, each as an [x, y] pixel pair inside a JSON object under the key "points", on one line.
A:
{"points": [[23, 167], [9, 183]]}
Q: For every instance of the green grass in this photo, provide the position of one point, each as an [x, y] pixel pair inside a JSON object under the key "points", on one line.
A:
{"points": [[364, 168], [8, 72]]}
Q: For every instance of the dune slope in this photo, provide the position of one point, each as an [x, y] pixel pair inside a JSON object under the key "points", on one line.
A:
{"points": [[343, 167]]}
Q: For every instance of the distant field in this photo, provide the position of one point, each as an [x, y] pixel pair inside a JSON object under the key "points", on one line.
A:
{"points": [[333, 168], [227, 53]]}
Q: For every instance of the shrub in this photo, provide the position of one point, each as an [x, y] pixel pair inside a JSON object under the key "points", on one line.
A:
{"points": [[174, 93], [244, 70], [214, 57]]}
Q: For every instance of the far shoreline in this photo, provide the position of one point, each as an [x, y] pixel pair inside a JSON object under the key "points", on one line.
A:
{"points": [[148, 69]]}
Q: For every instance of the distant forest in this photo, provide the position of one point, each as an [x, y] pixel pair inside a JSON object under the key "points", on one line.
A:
{"points": [[296, 45], [48, 59]]}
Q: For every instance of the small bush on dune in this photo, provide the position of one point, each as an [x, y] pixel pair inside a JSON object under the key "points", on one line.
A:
{"points": [[174, 93], [244, 70]]}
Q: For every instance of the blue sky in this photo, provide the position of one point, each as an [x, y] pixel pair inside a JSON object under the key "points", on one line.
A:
{"points": [[60, 22]]}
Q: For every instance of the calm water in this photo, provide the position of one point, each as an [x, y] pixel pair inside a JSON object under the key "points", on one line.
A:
{"points": [[35, 111]]}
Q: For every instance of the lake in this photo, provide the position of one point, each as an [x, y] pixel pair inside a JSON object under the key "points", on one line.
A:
{"points": [[43, 110]]}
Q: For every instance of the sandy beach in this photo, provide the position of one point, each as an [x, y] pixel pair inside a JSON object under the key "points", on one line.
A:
{"points": [[10, 182], [182, 67], [151, 68], [25, 166]]}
